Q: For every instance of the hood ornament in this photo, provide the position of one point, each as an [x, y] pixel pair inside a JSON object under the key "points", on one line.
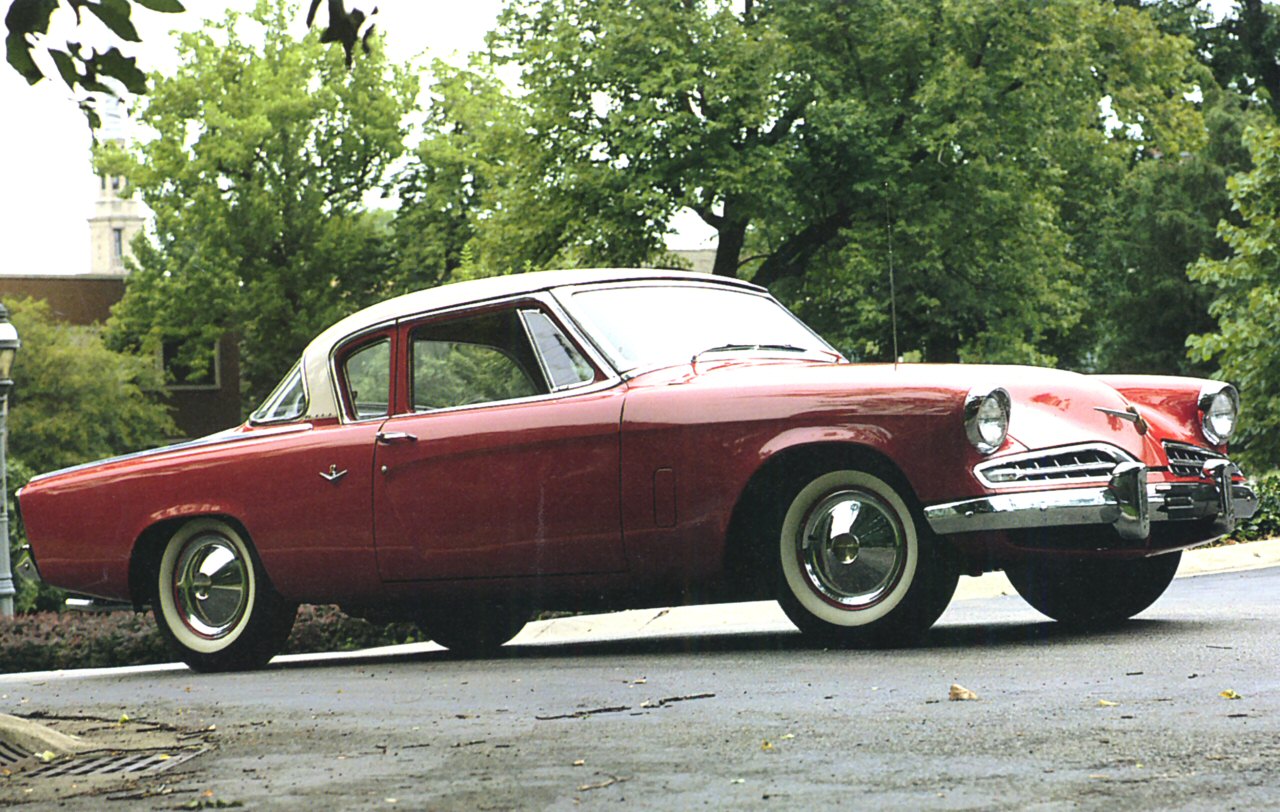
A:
{"points": [[1130, 414]]}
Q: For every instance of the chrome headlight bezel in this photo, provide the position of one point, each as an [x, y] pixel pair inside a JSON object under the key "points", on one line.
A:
{"points": [[981, 405], [1217, 399]]}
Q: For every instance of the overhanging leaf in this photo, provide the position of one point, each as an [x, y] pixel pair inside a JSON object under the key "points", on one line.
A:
{"points": [[121, 68], [115, 15], [66, 67], [167, 6]]}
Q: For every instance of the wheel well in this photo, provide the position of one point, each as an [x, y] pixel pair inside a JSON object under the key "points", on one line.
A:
{"points": [[748, 545], [144, 563]]}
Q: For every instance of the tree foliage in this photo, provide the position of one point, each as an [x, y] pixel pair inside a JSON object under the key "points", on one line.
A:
{"points": [[75, 399], [84, 68], [801, 131], [1247, 296], [88, 69], [266, 150]]}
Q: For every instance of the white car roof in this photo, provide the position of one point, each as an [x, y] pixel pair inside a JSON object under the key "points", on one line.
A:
{"points": [[322, 396]]}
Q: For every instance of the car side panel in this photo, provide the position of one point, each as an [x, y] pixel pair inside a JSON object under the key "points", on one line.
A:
{"points": [[314, 536], [705, 442]]}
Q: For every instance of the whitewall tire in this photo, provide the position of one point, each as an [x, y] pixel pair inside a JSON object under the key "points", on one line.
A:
{"points": [[213, 602], [856, 565]]}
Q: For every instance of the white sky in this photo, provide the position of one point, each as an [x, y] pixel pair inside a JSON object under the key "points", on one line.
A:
{"points": [[45, 142]]}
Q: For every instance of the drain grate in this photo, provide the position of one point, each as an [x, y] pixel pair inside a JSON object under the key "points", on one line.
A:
{"points": [[11, 754], [127, 763]]}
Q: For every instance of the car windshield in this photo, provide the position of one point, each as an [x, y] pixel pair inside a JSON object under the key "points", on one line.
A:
{"points": [[656, 325]]}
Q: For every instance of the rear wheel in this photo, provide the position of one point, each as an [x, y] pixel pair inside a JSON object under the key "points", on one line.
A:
{"points": [[213, 603], [858, 565], [1093, 593], [473, 630]]}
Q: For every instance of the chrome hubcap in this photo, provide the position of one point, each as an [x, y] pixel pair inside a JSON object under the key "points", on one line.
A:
{"points": [[852, 548], [211, 586]]}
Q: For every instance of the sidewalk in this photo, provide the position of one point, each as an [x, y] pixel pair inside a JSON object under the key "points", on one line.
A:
{"points": [[766, 616]]}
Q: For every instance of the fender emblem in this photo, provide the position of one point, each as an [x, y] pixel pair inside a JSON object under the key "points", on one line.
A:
{"points": [[333, 474], [1130, 414]]}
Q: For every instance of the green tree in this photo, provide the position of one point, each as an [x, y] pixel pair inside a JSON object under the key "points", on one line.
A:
{"points": [[1160, 220], [75, 400], [1247, 298], [266, 149], [801, 131]]}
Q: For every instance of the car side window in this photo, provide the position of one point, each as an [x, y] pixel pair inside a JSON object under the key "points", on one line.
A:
{"points": [[367, 374], [477, 359], [562, 364], [287, 402]]}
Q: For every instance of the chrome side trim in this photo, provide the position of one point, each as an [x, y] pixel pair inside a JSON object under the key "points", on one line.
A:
{"points": [[221, 438], [1127, 502]]}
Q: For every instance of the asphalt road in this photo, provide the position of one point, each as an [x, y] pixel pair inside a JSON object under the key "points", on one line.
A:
{"points": [[1129, 719]]}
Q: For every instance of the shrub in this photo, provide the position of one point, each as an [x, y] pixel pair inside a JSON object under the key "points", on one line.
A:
{"points": [[1265, 523], [48, 641]]}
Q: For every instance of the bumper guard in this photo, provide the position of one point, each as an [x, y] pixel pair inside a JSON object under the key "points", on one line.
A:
{"points": [[1127, 503]]}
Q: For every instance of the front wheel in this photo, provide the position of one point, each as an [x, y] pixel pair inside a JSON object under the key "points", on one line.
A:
{"points": [[858, 565], [213, 603], [1093, 593]]}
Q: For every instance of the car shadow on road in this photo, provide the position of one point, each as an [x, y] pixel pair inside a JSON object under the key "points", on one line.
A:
{"points": [[1004, 635]]}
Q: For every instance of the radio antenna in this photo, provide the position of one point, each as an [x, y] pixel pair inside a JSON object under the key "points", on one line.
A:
{"points": [[893, 291]]}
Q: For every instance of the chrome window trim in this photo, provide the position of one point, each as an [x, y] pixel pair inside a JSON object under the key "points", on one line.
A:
{"points": [[304, 415], [333, 372], [979, 470], [609, 378], [542, 361]]}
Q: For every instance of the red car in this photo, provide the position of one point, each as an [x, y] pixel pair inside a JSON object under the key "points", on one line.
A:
{"points": [[467, 455]]}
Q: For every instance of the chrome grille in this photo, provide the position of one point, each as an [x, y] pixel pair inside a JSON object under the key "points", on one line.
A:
{"points": [[1188, 460], [1083, 462]]}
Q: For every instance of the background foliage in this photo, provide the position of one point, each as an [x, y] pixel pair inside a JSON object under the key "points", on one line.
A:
{"points": [[267, 148]]}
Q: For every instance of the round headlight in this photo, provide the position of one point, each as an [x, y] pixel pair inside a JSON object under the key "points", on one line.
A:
{"points": [[986, 418], [1219, 407]]}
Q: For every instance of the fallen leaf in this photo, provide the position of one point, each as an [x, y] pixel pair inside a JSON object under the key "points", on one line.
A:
{"points": [[1230, 694], [163, 757], [959, 693], [1107, 703], [124, 717], [580, 763], [47, 756], [789, 736], [766, 745]]}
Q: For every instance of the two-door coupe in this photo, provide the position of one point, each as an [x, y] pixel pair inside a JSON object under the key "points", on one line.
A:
{"points": [[572, 440]]}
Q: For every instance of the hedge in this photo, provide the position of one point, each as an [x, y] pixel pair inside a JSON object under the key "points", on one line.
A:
{"points": [[47, 641]]}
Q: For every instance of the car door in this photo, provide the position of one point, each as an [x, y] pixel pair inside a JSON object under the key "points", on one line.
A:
{"points": [[505, 460]]}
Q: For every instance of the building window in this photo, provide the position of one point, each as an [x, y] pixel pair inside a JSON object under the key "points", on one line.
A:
{"points": [[117, 243], [183, 373], [103, 178], [115, 183]]}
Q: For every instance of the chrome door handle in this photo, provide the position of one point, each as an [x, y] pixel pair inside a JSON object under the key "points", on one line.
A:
{"points": [[389, 437]]}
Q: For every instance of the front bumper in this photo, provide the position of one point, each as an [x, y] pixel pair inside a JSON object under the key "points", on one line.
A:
{"points": [[1127, 503]]}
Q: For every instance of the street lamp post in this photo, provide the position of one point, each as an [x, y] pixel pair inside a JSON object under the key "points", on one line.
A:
{"points": [[9, 345]]}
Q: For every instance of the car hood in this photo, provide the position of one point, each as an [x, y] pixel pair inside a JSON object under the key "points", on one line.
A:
{"points": [[1050, 407]]}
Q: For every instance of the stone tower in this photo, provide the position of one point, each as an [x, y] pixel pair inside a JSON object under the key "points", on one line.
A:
{"points": [[116, 220]]}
